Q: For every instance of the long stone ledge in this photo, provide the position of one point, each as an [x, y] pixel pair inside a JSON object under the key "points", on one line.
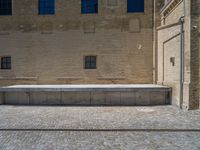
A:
{"points": [[86, 88], [88, 94]]}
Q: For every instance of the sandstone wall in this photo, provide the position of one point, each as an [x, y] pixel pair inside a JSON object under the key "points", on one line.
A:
{"points": [[169, 60], [169, 75], [51, 49]]}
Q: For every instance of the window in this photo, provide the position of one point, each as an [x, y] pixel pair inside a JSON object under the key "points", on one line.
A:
{"points": [[89, 6], [46, 7], [5, 62], [90, 62], [135, 5], [5, 7]]}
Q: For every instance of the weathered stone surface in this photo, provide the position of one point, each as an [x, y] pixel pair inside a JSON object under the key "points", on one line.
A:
{"points": [[113, 98], [87, 94], [128, 98], [75, 98], [51, 48], [38, 98], [17, 98], [98, 98], [158, 98], [142, 98], [53, 98]]}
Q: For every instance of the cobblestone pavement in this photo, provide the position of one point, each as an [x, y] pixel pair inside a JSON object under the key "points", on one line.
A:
{"points": [[48, 128], [162, 117], [99, 140]]}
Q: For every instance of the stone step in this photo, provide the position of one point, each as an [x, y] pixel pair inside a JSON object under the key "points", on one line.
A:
{"points": [[97, 95]]}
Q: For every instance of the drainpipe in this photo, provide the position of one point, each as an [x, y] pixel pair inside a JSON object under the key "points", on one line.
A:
{"points": [[182, 51], [154, 45]]}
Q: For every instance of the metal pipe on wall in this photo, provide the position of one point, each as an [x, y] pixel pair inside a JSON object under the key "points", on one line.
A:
{"points": [[154, 44], [182, 51]]}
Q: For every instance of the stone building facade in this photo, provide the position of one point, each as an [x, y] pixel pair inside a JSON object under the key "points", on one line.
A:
{"points": [[178, 51], [158, 45], [49, 49]]}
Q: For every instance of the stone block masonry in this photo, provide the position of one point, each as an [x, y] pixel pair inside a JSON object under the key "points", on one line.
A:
{"points": [[50, 49], [103, 95], [170, 48]]}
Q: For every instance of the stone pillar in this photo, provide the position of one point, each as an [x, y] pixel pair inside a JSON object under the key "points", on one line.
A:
{"points": [[187, 56], [157, 7], [194, 53]]}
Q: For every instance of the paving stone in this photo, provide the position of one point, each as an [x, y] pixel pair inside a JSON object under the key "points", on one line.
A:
{"points": [[41, 124], [56, 117], [99, 140]]}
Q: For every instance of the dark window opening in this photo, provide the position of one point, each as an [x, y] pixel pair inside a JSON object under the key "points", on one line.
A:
{"points": [[89, 6], [46, 7], [90, 62], [172, 61], [5, 7], [6, 63], [135, 6]]}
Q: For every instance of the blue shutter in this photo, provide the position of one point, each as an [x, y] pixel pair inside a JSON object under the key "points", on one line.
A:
{"points": [[135, 5], [46, 7], [89, 6]]}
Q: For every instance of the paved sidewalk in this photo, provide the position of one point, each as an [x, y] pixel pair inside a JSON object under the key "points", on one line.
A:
{"points": [[44, 128], [161, 117]]}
